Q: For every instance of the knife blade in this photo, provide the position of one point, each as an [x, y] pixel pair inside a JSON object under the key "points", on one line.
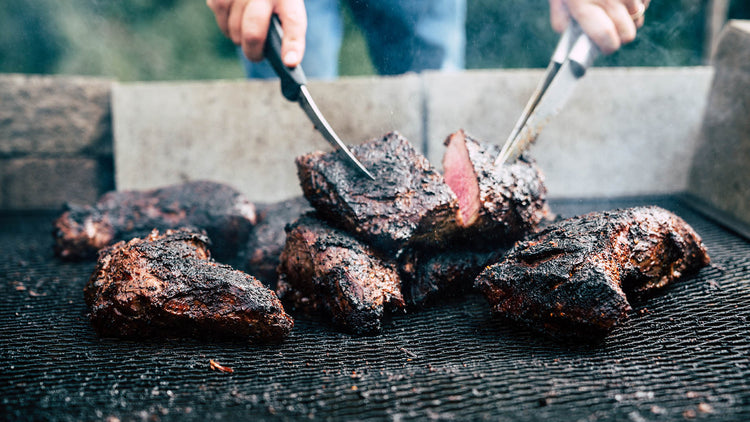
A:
{"points": [[294, 88], [553, 92]]}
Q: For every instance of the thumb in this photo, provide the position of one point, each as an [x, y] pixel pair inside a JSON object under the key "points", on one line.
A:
{"points": [[558, 15]]}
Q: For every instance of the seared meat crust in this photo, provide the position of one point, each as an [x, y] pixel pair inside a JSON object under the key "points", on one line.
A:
{"points": [[499, 204], [408, 202], [168, 286], [268, 237], [326, 271], [223, 212], [571, 279], [429, 277]]}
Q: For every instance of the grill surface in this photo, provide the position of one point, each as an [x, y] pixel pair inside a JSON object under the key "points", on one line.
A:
{"points": [[682, 354]]}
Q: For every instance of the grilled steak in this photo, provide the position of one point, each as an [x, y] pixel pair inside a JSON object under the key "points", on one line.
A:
{"points": [[408, 202], [224, 213], [326, 271], [499, 204], [429, 277], [168, 286], [268, 237], [571, 279]]}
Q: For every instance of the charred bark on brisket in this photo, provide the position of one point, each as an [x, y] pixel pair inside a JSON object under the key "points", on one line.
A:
{"points": [[326, 271], [499, 204], [409, 202], [571, 279], [268, 237], [430, 277], [168, 286], [224, 213]]}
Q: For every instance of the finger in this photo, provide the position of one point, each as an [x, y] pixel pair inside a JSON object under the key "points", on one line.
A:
{"points": [[234, 22], [622, 19], [636, 9], [596, 23], [294, 23], [558, 15], [255, 22], [221, 13]]}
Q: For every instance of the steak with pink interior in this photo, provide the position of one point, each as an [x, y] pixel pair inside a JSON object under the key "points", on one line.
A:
{"points": [[408, 202], [325, 271], [499, 204], [166, 285], [223, 212], [572, 278]]}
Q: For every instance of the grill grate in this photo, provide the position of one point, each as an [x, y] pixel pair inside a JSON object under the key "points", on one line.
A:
{"points": [[684, 353]]}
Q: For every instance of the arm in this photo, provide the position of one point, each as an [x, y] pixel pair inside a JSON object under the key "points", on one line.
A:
{"points": [[609, 23], [245, 22]]}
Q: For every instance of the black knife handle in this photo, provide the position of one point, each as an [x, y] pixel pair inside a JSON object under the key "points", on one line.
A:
{"points": [[292, 78]]}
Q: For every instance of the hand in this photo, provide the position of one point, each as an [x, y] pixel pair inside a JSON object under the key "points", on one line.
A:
{"points": [[609, 23], [246, 22]]}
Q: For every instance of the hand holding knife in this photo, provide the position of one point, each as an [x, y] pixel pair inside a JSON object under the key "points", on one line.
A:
{"points": [[293, 87], [574, 54]]}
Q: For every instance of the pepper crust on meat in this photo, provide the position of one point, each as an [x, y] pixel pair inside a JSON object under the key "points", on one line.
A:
{"points": [[408, 202], [571, 279], [166, 285], [499, 204], [222, 211], [325, 271]]}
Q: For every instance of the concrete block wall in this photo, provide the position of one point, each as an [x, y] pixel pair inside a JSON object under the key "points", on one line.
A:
{"points": [[624, 132], [55, 141], [244, 132], [721, 170]]}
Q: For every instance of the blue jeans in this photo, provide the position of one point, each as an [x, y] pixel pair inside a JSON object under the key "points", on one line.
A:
{"points": [[402, 36]]}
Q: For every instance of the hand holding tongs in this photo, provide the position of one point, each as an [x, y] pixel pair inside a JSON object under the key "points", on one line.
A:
{"points": [[293, 88], [574, 53]]}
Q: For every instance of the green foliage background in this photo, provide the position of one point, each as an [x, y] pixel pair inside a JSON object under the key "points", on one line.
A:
{"points": [[179, 39]]}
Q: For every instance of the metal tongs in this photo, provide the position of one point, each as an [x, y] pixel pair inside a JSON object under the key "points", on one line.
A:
{"points": [[293, 87], [574, 53]]}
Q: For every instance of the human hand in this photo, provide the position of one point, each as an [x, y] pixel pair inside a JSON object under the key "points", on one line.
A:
{"points": [[609, 23], [246, 23]]}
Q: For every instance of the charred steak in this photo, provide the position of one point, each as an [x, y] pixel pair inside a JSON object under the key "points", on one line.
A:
{"points": [[571, 279], [224, 213], [408, 202], [267, 238], [326, 271], [429, 277], [167, 286], [499, 204]]}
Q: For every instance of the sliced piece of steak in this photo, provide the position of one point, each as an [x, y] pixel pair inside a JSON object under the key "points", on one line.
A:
{"points": [[326, 271], [267, 238], [571, 279], [499, 204], [409, 202], [223, 212], [168, 286], [429, 277]]}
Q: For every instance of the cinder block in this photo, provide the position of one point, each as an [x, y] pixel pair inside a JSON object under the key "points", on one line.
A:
{"points": [[624, 131], [54, 114], [48, 183], [244, 132], [721, 169]]}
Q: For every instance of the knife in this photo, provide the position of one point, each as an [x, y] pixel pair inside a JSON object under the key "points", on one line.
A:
{"points": [[574, 54], [294, 88]]}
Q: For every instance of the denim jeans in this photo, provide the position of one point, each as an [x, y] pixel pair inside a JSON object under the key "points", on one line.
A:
{"points": [[402, 36]]}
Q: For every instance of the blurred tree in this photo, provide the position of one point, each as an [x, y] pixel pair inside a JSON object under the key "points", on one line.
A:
{"points": [[179, 39], [28, 37], [517, 34]]}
